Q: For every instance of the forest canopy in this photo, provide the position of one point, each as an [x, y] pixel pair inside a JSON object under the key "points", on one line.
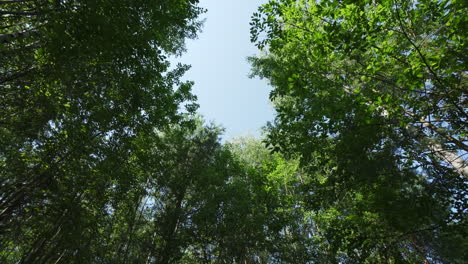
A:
{"points": [[104, 158]]}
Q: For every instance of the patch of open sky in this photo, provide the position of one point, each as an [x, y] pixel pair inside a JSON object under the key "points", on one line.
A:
{"points": [[220, 69]]}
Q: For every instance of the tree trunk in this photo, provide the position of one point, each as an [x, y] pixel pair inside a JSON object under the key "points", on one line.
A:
{"points": [[456, 162], [5, 38]]}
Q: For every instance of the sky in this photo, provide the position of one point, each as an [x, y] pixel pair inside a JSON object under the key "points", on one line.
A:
{"points": [[220, 69]]}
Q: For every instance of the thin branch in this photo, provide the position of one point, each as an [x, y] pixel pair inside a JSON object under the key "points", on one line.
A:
{"points": [[418, 50]]}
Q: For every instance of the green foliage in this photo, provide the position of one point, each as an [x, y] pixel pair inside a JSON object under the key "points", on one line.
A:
{"points": [[364, 162], [370, 96], [82, 83]]}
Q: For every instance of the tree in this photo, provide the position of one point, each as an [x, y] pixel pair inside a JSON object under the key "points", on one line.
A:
{"points": [[280, 225], [371, 95], [81, 83]]}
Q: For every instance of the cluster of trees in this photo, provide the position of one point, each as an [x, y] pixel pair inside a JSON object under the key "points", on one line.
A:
{"points": [[102, 157], [372, 97], [104, 160]]}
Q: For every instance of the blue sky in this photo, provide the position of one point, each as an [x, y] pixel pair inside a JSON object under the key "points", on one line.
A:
{"points": [[220, 70]]}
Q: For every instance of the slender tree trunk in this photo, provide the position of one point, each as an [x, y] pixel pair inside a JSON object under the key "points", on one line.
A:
{"points": [[19, 13], [172, 230], [5, 38], [137, 219], [60, 257], [16, 2], [16, 75], [37, 250], [39, 245]]}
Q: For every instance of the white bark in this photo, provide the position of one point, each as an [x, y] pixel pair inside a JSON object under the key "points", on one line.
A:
{"points": [[455, 161]]}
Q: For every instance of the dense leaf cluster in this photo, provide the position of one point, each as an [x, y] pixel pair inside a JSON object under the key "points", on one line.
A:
{"points": [[372, 96], [103, 159]]}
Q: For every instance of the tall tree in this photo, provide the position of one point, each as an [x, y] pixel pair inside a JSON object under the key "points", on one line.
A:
{"points": [[372, 96], [81, 82]]}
